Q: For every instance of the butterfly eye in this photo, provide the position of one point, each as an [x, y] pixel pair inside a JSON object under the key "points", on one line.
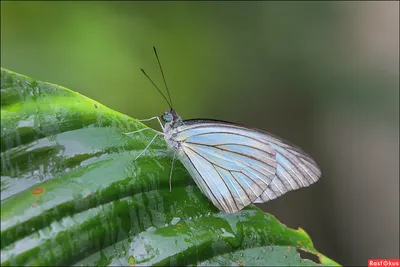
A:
{"points": [[166, 116]]}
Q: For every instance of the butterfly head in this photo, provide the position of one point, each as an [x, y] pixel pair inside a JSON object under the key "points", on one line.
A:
{"points": [[170, 115], [171, 118]]}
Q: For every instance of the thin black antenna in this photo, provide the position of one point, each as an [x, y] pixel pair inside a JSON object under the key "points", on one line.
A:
{"points": [[162, 73], [145, 74]]}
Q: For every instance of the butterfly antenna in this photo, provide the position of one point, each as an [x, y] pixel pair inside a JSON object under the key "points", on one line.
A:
{"points": [[145, 74], [162, 73]]}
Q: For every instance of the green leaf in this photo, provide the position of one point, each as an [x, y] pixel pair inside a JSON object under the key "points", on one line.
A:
{"points": [[72, 193]]}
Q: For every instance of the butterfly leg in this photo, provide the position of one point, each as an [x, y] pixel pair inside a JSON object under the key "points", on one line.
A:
{"points": [[143, 129], [152, 118], [170, 174], [148, 145]]}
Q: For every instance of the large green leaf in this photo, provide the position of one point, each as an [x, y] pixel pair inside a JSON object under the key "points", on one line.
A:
{"points": [[72, 193]]}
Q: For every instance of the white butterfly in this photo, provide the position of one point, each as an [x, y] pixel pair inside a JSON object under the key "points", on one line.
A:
{"points": [[233, 165]]}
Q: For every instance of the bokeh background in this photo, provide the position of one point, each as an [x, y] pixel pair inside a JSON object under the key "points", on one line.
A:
{"points": [[323, 75]]}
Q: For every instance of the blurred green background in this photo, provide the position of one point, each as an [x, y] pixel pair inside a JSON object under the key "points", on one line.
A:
{"points": [[323, 75]]}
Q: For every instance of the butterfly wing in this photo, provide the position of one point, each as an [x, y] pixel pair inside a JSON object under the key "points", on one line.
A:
{"points": [[235, 166], [295, 169], [231, 169]]}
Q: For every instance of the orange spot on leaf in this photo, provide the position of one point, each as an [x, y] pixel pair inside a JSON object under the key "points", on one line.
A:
{"points": [[38, 191], [299, 242]]}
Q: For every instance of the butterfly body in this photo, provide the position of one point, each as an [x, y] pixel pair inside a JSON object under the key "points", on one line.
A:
{"points": [[235, 166]]}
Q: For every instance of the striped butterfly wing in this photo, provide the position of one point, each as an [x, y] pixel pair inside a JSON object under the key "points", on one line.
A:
{"points": [[231, 167], [235, 166], [295, 169]]}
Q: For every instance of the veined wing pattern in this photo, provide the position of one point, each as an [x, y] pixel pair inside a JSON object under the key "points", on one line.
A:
{"points": [[235, 166]]}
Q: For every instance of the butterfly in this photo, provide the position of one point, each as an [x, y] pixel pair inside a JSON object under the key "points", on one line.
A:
{"points": [[233, 165]]}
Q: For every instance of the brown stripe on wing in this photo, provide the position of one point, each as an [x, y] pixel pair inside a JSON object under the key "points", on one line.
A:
{"points": [[236, 144], [238, 153], [244, 190], [236, 171], [233, 199], [200, 123], [230, 133], [299, 167], [213, 163], [219, 205]]}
